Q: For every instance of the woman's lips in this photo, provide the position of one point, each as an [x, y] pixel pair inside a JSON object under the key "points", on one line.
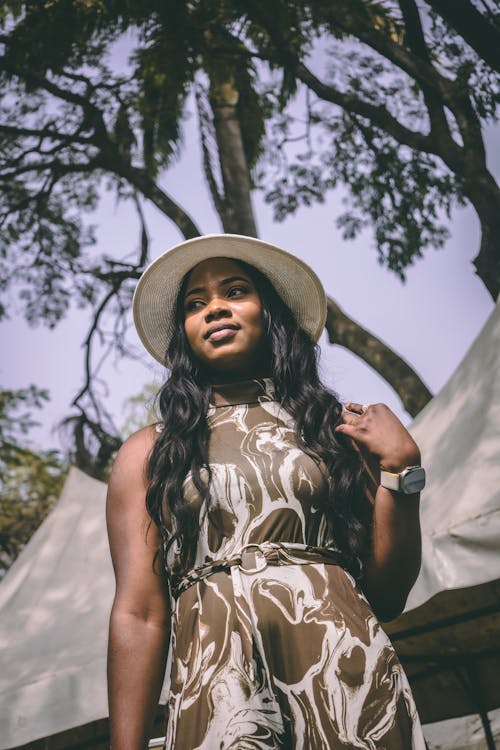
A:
{"points": [[222, 333]]}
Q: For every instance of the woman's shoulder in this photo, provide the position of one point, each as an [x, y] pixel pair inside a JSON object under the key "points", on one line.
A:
{"points": [[140, 441], [131, 460]]}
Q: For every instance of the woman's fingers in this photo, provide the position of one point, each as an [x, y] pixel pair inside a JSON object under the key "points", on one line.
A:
{"points": [[356, 408], [350, 419], [353, 413], [376, 428]]}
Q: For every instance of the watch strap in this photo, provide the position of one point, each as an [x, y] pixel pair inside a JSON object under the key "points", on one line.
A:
{"points": [[409, 481], [389, 480]]}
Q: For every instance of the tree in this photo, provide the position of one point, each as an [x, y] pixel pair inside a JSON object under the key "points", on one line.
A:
{"points": [[31, 481], [406, 141], [393, 127]]}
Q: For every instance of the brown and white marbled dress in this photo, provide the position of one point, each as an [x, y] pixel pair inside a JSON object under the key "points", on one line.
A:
{"points": [[290, 656]]}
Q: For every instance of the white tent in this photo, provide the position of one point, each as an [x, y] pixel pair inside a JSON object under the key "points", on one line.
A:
{"points": [[54, 607], [459, 435], [449, 637], [55, 600]]}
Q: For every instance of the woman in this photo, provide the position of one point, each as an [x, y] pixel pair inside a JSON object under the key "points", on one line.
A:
{"points": [[281, 550]]}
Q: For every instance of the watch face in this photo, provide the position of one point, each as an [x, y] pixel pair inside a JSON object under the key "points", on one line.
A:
{"points": [[414, 480]]}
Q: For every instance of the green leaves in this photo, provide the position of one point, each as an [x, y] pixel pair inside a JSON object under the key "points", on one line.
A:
{"points": [[14, 419], [30, 481], [401, 195], [42, 245]]}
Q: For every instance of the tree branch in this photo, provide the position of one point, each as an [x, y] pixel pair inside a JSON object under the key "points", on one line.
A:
{"points": [[45, 133], [344, 331], [140, 180], [344, 16], [416, 41], [438, 142], [56, 167], [144, 255], [93, 113], [377, 114], [423, 72], [94, 327], [217, 198], [109, 442], [350, 17], [479, 34], [109, 157]]}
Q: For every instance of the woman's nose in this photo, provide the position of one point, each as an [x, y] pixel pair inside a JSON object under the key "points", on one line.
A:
{"points": [[216, 308]]}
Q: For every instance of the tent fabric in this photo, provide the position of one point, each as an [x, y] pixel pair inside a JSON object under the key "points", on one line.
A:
{"points": [[54, 609], [55, 600], [448, 638], [459, 436], [465, 733]]}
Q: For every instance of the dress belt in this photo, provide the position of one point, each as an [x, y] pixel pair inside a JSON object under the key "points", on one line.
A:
{"points": [[253, 558]]}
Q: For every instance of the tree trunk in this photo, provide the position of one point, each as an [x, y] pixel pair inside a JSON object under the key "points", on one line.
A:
{"points": [[346, 332], [486, 261], [236, 210], [484, 194]]}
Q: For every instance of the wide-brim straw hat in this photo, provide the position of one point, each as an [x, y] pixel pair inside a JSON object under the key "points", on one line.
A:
{"points": [[157, 290]]}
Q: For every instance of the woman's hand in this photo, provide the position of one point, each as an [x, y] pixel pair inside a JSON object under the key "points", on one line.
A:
{"points": [[376, 429]]}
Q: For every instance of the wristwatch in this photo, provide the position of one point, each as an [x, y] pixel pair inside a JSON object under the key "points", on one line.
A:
{"points": [[408, 481]]}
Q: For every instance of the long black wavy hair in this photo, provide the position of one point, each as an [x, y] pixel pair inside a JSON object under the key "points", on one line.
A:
{"points": [[182, 445]]}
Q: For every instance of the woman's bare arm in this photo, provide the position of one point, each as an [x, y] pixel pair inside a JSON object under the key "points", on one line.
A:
{"points": [[394, 563], [139, 629]]}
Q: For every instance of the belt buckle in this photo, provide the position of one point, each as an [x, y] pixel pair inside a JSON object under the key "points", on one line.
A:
{"points": [[259, 559]]}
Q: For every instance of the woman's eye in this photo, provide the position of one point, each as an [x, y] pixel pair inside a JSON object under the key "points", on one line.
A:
{"points": [[235, 291], [193, 304]]}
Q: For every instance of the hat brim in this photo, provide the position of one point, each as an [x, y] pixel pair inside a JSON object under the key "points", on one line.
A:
{"points": [[156, 292]]}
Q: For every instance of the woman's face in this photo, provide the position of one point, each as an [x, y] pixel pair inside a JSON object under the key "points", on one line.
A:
{"points": [[223, 319]]}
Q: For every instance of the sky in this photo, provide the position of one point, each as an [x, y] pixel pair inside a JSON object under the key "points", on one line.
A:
{"points": [[431, 320]]}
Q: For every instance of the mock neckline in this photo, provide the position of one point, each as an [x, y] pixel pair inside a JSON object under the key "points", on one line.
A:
{"points": [[243, 392]]}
